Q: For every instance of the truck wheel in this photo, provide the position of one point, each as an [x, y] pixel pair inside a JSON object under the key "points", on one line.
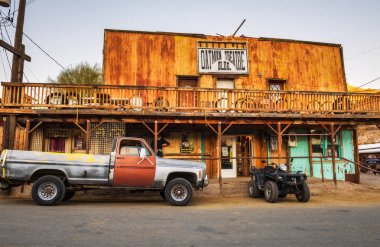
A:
{"points": [[178, 192], [303, 195], [271, 191], [68, 195], [253, 191], [48, 190], [162, 194]]}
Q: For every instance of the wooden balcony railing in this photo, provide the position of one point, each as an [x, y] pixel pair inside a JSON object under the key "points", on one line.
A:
{"points": [[128, 98]]}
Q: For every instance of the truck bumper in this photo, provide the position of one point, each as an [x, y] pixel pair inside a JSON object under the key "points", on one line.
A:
{"points": [[202, 183]]}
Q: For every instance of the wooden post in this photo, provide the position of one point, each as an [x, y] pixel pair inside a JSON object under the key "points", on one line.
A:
{"points": [[5, 129], [356, 153], [219, 156], [155, 135], [17, 74], [88, 132], [279, 142], [322, 172], [27, 129], [332, 139], [311, 155], [11, 131]]}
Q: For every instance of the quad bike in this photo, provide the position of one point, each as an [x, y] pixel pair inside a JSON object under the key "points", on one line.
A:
{"points": [[272, 183]]}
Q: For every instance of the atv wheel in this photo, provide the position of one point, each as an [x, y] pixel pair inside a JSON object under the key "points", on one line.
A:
{"points": [[253, 191], [303, 195], [271, 192]]}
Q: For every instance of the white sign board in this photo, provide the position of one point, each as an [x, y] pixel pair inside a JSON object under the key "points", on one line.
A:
{"points": [[222, 61]]}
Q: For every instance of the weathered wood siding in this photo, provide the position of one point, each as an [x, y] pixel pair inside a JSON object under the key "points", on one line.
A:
{"points": [[155, 59]]}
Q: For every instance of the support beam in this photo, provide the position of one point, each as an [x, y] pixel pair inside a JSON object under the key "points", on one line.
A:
{"points": [[26, 141], [155, 132], [35, 127], [88, 131], [80, 127], [279, 142], [155, 136], [332, 140], [219, 150], [311, 155], [356, 153], [10, 132], [14, 51]]}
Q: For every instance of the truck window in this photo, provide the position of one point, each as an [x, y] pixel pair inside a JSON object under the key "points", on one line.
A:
{"points": [[132, 148]]}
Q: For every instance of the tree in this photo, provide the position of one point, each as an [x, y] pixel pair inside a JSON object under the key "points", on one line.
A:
{"points": [[82, 73]]}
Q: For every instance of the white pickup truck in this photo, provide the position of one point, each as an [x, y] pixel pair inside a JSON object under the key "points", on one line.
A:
{"points": [[132, 165]]}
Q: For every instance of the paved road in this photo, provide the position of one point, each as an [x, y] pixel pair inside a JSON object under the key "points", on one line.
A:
{"points": [[154, 223]]}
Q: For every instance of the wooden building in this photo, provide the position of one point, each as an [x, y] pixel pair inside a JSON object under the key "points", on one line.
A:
{"points": [[230, 101]]}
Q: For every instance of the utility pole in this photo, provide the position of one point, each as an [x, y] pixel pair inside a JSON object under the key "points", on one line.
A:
{"points": [[17, 69], [18, 61]]}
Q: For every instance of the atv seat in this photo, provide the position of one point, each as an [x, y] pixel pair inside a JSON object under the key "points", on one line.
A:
{"points": [[269, 169]]}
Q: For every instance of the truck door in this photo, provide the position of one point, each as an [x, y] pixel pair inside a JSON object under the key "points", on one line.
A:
{"points": [[135, 164]]}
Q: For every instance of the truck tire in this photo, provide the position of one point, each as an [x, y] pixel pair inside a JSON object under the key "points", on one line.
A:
{"points": [[303, 195], [178, 192], [68, 195], [253, 191], [48, 190], [271, 192], [162, 194]]}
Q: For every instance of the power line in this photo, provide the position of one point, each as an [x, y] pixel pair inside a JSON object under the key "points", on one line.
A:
{"points": [[369, 82], [6, 53], [363, 53], [47, 54], [5, 72], [38, 80]]}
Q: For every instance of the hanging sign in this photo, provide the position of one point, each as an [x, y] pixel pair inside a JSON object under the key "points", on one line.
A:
{"points": [[222, 61]]}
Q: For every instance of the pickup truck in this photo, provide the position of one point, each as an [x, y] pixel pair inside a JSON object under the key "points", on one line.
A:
{"points": [[132, 165]]}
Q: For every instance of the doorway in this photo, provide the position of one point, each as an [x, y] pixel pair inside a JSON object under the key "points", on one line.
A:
{"points": [[228, 157], [224, 102], [187, 98]]}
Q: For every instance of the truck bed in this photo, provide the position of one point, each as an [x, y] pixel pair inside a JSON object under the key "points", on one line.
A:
{"points": [[79, 168]]}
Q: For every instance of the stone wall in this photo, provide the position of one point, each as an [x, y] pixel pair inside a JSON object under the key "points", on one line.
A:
{"points": [[368, 134]]}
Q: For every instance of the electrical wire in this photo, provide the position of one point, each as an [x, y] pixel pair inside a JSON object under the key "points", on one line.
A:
{"points": [[369, 82], [5, 51], [47, 54], [34, 75], [5, 71], [363, 53]]}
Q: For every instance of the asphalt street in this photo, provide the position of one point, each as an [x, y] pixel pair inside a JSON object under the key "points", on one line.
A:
{"points": [[154, 223]]}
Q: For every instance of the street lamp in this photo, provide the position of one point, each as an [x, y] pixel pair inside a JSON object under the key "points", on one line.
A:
{"points": [[5, 3]]}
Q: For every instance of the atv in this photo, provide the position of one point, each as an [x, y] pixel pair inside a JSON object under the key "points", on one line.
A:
{"points": [[273, 183]]}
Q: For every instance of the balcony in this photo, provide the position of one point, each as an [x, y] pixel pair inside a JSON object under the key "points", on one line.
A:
{"points": [[33, 97]]}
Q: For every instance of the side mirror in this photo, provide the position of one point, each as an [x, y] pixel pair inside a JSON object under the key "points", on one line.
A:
{"points": [[142, 153]]}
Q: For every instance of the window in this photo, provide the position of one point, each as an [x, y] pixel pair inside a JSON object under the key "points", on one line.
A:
{"points": [[132, 148], [276, 85], [321, 144]]}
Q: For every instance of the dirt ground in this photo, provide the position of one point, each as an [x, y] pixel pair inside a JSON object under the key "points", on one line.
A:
{"points": [[235, 192]]}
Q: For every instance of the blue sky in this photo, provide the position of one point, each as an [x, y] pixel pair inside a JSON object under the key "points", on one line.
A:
{"points": [[72, 31]]}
